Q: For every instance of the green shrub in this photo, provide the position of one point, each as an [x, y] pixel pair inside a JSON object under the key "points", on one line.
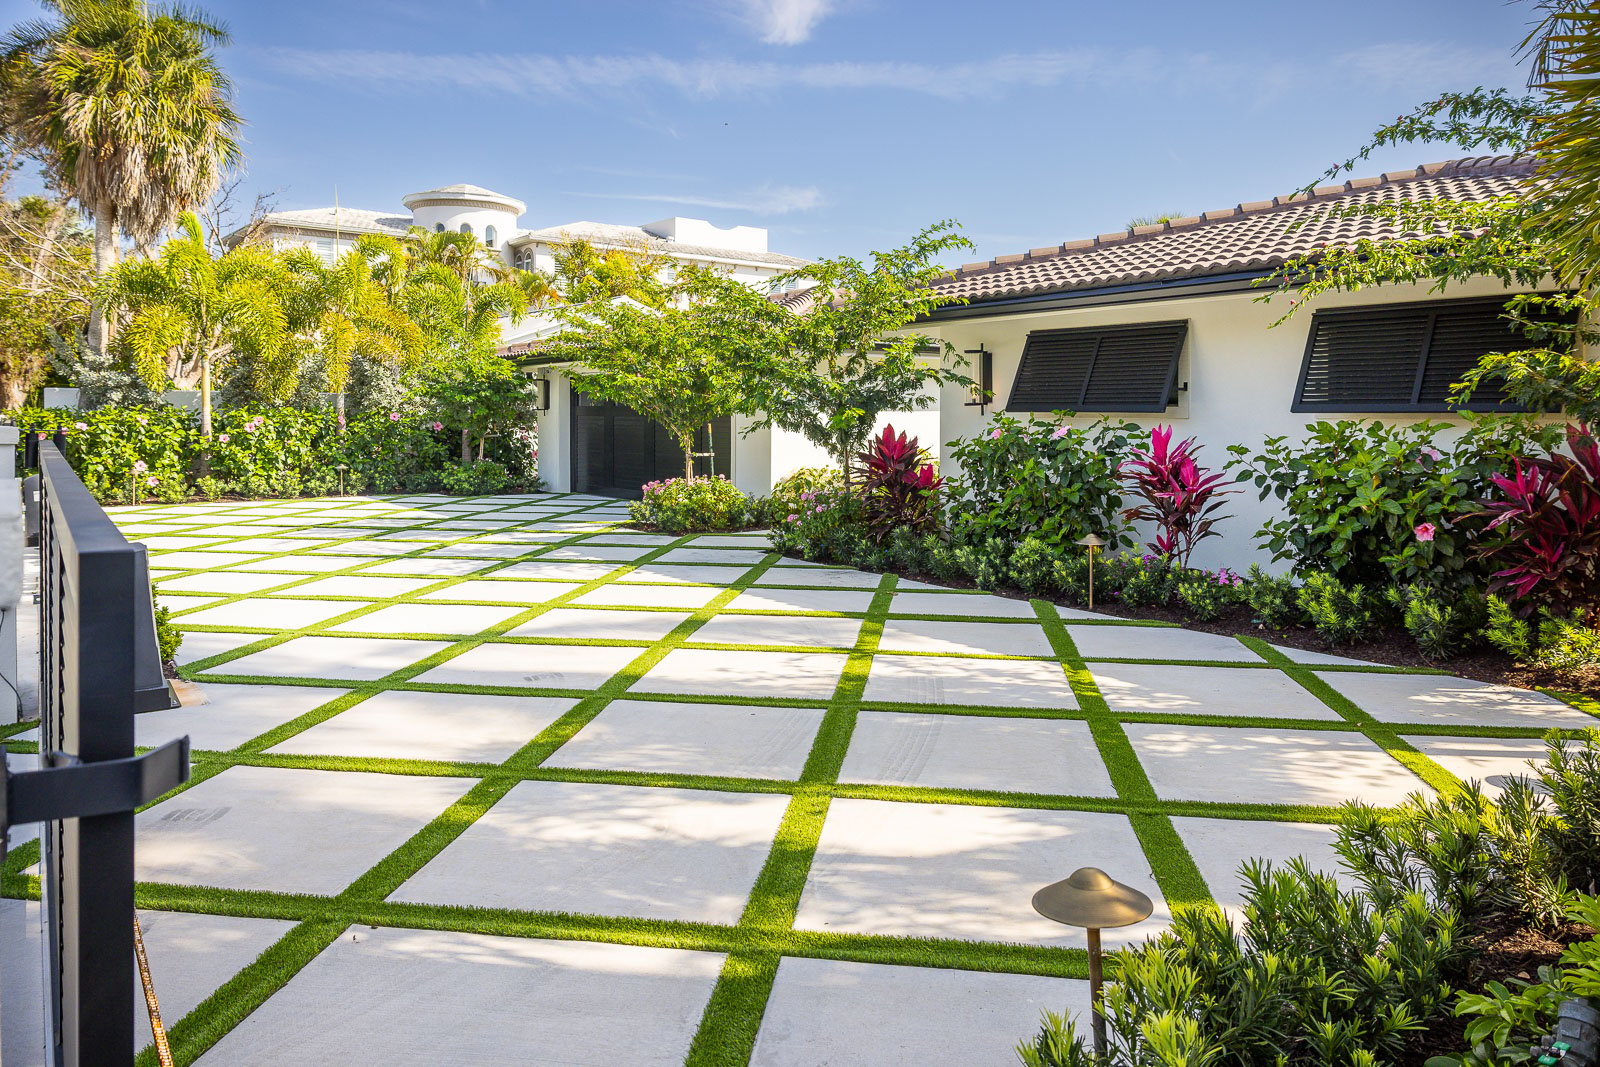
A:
{"points": [[208, 488], [1378, 504], [1567, 644], [985, 560], [1142, 581], [1439, 627], [680, 506], [1505, 630], [1206, 596], [1340, 613], [168, 637], [911, 551], [1069, 575], [786, 496], [1315, 976], [1054, 481], [483, 478], [1271, 598], [1033, 565]]}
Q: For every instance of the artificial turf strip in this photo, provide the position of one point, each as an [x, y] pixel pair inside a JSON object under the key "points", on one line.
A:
{"points": [[764, 933]]}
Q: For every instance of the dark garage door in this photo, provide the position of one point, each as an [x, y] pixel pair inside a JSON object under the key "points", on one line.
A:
{"points": [[615, 450]]}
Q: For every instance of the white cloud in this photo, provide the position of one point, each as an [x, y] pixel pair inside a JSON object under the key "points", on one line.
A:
{"points": [[782, 21], [532, 75], [1416, 67], [768, 200]]}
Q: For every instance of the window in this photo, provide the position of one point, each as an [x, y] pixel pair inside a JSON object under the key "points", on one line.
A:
{"points": [[466, 227], [488, 236], [438, 227], [1403, 357], [1106, 368]]}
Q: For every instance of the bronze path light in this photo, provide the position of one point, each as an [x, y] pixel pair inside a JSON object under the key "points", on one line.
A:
{"points": [[1091, 898], [1093, 544]]}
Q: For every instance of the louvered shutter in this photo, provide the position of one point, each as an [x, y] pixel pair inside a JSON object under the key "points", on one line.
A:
{"points": [[1403, 357], [1117, 368]]}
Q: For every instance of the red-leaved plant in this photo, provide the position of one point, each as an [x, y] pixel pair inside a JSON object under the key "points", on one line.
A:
{"points": [[898, 487], [1544, 537], [1179, 496]]}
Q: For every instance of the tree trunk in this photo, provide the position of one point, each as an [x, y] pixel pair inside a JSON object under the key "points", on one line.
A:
{"points": [[338, 408], [686, 442], [205, 398], [466, 447], [105, 257]]}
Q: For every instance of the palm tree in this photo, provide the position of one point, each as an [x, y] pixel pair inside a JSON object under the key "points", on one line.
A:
{"points": [[128, 110], [188, 313], [346, 311]]}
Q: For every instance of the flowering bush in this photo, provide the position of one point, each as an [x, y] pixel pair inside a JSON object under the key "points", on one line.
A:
{"points": [[1056, 481], [898, 487], [785, 499], [1544, 535], [1179, 496], [678, 505], [1382, 505], [826, 524]]}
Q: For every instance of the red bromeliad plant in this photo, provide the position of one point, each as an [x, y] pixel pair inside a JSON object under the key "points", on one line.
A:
{"points": [[897, 486], [1179, 496], [1546, 516]]}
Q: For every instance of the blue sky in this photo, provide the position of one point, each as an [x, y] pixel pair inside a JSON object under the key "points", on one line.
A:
{"points": [[841, 125]]}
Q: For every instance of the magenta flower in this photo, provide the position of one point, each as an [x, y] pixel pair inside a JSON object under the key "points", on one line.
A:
{"points": [[438, 426], [1425, 531], [223, 438], [994, 434], [1432, 453], [1060, 432], [139, 466], [394, 416], [792, 518]]}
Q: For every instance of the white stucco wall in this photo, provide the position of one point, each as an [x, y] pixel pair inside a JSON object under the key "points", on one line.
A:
{"points": [[1241, 374]]}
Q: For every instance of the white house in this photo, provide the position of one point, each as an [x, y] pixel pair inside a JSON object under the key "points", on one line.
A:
{"points": [[1164, 324]]}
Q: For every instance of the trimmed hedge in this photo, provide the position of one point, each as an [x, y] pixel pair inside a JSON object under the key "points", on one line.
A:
{"points": [[157, 453]]}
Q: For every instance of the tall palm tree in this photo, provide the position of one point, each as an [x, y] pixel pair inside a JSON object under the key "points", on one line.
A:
{"points": [[128, 110], [188, 313], [347, 312]]}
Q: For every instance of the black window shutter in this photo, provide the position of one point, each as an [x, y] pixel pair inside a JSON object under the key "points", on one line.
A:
{"points": [[1403, 357], [1114, 368]]}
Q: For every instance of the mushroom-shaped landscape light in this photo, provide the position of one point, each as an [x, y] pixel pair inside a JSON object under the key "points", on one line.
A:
{"points": [[1093, 544], [1091, 898]]}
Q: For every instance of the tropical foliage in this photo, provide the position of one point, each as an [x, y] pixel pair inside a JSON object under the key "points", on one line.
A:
{"points": [[126, 107], [1179, 497], [899, 487]]}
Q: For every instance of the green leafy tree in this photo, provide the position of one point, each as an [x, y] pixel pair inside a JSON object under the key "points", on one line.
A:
{"points": [[585, 273], [1544, 230], [45, 287], [480, 395], [682, 365], [189, 313], [850, 357], [126, 106], [340, 312]]}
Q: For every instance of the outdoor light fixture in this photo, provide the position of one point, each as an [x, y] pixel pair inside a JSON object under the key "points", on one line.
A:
{"points": [[1092, 899], [341, 468], [538, 388], [982, 390], [1092, 543]]}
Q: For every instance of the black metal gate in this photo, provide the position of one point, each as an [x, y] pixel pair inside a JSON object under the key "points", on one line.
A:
{"points": [[96, 640], [616, 450]]}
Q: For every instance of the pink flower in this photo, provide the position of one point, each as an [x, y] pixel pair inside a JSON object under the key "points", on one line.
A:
{"points": [[139, 466], [394, 416], [224, 438], [994, 434], [820, 509], [1060, 432], [1432, 453], [81, 425], [792, 518], [152, 480], [1424, 532], [438, 426], [141, 420]]}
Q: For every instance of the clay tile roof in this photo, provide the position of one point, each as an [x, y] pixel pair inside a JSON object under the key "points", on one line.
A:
{"points": [[1254, 236]]}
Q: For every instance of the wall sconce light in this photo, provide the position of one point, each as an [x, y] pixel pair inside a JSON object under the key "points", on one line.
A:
{"points": [[982, 390], [539, 388]]}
